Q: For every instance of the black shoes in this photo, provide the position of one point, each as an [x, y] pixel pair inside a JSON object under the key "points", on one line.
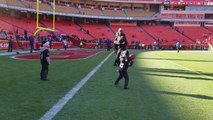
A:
{"points": [[43, 79], [125, 88]]}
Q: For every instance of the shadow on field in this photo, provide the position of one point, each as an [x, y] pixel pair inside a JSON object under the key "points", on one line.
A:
{"points": [[176, 59], [178, 73], [186, 95]]}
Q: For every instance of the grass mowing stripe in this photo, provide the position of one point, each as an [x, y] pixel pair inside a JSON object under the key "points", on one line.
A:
{"points": [[186, 68], [59, 105]]}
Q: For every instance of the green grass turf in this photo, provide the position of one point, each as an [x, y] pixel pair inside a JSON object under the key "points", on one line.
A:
{"points": [[23, 96], [164, 85], [160, 89]]}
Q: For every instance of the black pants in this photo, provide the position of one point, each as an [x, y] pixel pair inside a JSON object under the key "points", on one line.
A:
{"points": [[116, 62], [31, 48], [65, 47], [44, 71], [10, 48], [178, 48], [123, 73]]}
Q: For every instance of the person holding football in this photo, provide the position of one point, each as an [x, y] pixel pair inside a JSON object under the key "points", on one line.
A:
{"points": [[125, 60], [120, 42]]}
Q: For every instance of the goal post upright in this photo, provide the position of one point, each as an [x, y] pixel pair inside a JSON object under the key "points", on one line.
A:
{"points": [[39, 28]]}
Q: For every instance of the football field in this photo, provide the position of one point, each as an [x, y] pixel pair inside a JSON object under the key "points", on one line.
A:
{"points": [[164, 85]]}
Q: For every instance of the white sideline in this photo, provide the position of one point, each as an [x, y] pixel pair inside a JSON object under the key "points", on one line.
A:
{"points": [[13, 53], [186, 68], [60, 104]]}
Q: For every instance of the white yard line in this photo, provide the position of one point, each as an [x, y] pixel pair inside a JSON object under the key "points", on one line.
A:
{"points": [[13, 53], [51, 113], [185, 68]]}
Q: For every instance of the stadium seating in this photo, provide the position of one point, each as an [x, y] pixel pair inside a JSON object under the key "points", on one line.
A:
{"points": [[65, 9], [137, 13], [20, 23], [194, 32], [42, 6], [99, 31], [3, 1], [70, 28], [113, 13], [14, 3], [166, 35], [134, 34], [90, 11], [211, 28], [5, 26]]}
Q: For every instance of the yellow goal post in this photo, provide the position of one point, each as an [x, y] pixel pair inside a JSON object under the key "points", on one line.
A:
{"points": [[39, 28]]}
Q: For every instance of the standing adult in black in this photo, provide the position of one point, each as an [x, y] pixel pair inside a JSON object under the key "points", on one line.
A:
{"points": [[45, 60], [124, 63], [10, 44]]}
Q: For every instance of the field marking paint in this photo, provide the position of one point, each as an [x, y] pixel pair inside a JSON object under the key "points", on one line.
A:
{"points": [[49, 115], [15, 57], [186, 68]]}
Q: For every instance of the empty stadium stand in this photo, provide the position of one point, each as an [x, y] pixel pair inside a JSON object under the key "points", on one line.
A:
{"points": [[66, 9], [166, 35], [90, 11], [99, 31], [113, 13], [134, 34], [138, 13], [194, 32], [14, 3]]}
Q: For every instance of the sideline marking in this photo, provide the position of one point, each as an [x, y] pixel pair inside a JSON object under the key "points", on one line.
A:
{"points": [[187, 68], [39, 28], [50, 114], [13, 53]]}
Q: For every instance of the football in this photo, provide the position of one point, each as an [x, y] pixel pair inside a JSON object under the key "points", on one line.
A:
{"points": [[132, 57]]}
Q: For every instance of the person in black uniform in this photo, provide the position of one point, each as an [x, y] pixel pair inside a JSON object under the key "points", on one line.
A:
{"points": [[45, 60], [124, 63], [120, 42]]}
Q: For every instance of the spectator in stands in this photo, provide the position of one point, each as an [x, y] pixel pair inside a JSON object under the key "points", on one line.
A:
{"points": [[45, 60], [31, 38], [10, 44]]}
